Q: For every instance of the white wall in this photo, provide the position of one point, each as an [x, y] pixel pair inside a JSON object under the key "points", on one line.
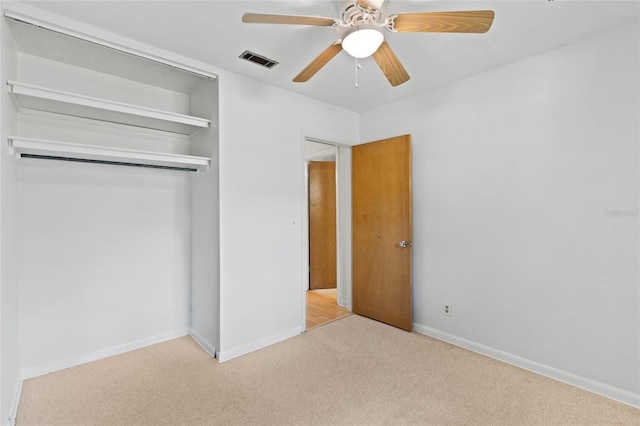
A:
{"points": [[104, 260], [516, 174], [9, 337], [261, 188], [205, 229]]}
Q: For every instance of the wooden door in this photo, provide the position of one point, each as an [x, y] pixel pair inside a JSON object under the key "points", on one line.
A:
{"points": [[381, 222], [322, 225]]}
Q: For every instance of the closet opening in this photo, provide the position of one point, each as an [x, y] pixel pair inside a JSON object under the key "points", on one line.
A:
{"points": [[140, 239]]}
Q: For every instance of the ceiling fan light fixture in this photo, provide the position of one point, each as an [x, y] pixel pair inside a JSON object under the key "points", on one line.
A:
{"points": [[362, 41]]}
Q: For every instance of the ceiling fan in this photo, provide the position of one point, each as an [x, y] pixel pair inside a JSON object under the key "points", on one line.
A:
{"points": [[362, 32]]}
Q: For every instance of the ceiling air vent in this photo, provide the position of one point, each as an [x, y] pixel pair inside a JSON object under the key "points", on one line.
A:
{"points": [[258, 59]]}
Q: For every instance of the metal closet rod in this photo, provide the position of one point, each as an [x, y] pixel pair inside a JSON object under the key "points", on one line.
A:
{"points": [[111, 163]]}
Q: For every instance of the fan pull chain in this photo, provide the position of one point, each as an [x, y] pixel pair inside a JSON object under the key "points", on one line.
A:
{"points": [[357, 68]]}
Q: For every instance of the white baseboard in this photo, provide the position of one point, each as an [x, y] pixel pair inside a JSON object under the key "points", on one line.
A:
{"points": [[13, 410], [226, 355], [103, 353], [208, 347], [602, 389]]}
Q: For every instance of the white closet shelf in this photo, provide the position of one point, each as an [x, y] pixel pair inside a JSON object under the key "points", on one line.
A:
{"points": [[56, 150], [32, 97]]}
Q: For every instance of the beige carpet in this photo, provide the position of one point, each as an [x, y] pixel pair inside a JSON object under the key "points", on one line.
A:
{"points": [[353, 371]]}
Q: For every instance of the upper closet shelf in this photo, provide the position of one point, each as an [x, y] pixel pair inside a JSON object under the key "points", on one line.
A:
{"points": [[31, 97]]}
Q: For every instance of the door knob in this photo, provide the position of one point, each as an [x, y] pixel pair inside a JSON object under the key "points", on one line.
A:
{"points": [[405, 244]]}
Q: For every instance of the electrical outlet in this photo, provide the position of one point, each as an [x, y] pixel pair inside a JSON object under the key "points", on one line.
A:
{"points": [[447, 309]]}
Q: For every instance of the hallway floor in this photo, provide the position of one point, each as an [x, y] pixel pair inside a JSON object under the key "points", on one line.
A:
{"points": [[322, 307]]}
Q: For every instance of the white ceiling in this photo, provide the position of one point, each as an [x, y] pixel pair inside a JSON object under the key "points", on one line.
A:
{"points": [[212, 32]]}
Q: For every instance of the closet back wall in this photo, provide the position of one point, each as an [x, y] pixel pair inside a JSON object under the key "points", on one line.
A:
{"points": [[104, 259]]}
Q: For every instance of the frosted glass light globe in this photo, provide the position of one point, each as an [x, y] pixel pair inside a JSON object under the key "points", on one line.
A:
{"points": [[362, 41]]}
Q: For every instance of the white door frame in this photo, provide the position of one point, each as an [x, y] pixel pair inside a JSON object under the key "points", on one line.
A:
{"points": [[343, 225]]}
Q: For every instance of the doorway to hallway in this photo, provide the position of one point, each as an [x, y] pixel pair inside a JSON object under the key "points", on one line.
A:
{"points": [[324, 288]]}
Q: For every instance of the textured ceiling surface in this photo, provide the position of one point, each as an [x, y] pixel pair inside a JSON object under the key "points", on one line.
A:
{"points": [[212, 32]]}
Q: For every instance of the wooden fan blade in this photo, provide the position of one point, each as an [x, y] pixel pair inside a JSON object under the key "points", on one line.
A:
{"points": [[370, 4], [473, 21], [390, 65], [318, 63], [259, 18]]}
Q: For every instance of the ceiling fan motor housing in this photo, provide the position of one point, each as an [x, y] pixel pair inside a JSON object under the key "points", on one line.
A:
{"points": [[352, 14]]}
